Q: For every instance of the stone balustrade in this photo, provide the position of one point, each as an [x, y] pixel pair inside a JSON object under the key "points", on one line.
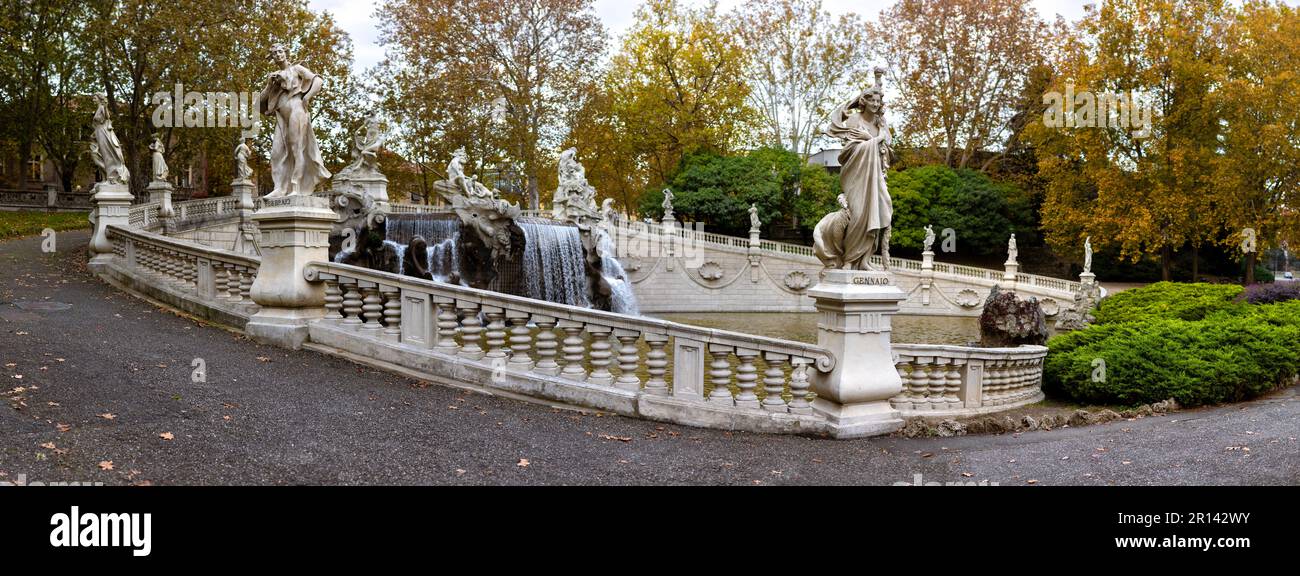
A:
{"points": [[146, 216], [960, 380], [632, 365], [207, 282]]}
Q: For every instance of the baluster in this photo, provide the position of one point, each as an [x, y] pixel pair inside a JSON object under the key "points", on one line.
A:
{"points": [[169, 265], [471, 330], [333, 300], [628, 360], [573, 350], [600, 355], [546, 345], [747, 378], [351, 304], [938, 381], [496, 335], [246, 283], [372, 307], [191, 272], [799, 387], [903, 401], [993, 384], [920, 384], [219, 279], [720, 374], [447, 324], [952, 388], [232, 282], [521, 340], [774, 382], [656, 364], [392, 313]]}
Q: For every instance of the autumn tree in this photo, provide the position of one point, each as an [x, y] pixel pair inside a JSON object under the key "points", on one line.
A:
{"points": [[802, 62], [677, 86], [1258, 171], [499, 78], [960, 67], [1145, 192]]}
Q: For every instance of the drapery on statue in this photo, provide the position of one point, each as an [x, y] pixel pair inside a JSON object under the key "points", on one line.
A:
{"points": [[296, 165], [929, 239], [242, 172], [574, 200], [159, 163], [668, 204], [860, 124], [1087, 256], [106, 151], [828, 237], [1013, 250], [755, 224], [365, 149]]}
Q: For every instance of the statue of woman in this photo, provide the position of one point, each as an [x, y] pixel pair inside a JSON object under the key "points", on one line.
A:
{"points": [[755, 223], [159, 163], [365, 149], [860, 124], [296, 165], [242, 172], [1087, 256], [929, 239], [106, 150]]}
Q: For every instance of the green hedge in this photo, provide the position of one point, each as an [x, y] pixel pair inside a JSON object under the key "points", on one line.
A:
{"points": [[1186, 342]]}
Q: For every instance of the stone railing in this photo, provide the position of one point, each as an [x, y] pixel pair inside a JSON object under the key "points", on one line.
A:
{"points": [[633, 365], [206, 209], [146, 216], [47, 199], [191, 276], [960, 380], [430, 209]]}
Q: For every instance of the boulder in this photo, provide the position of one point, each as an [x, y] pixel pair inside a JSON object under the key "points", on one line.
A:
{"points": [[1009, 322], [950, 428]]}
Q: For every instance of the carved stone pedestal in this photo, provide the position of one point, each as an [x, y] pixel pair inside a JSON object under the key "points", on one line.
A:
{"points": [[374, 186], [160, 191], [294, 232], [112, 208], [855, 310]]}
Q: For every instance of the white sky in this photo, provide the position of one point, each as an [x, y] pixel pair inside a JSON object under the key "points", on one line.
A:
{"points": [[357, 17]]}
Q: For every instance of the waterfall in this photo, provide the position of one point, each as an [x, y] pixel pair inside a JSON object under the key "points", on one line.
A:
{"points": [[442, 235], [553, 264], [622, 300]]}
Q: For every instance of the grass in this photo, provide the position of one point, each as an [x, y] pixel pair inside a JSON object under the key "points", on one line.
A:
{"points": [[18, 224]]}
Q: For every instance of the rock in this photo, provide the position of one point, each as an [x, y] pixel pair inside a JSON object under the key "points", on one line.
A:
{"points": [[1130, 413], [1029, 422], [1103, 417], [1079, 418], [950, 428], [1009, 322], [1165, 407], [915, 428], [978, 427], [1008, 424], [1047, 422], [1145, 410]]}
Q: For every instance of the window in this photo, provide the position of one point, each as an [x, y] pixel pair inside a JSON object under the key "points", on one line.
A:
{"points": [[36, 168]]}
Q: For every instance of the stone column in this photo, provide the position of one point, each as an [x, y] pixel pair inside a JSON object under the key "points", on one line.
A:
{"points": [[1009, 275], [294, 232], [856, 308], [160, 191], [112, 208], [245, 191], [755, 253], [927, 276], [669, 239]]}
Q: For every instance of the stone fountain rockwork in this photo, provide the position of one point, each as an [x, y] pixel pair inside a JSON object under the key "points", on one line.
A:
{"points": [[487, 243]]}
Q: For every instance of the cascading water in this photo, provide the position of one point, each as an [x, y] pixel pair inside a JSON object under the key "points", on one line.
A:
{"points": [[622, 299], [553, 263], [442, 235]]}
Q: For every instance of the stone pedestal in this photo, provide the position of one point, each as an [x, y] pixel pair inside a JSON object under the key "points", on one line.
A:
{"points": [[112, 208], [245, 241], [374, 186], [1009, 275], [927, 276], [294, 232], [855, 310], [160, 191]]}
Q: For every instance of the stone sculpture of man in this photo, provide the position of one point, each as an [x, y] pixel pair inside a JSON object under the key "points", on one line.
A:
{"points": [[365, 149], [1087, 255], [1013, 251], [159, 163], [296, 165], [755, 223], [668, 204], [106, 150], [860, 124], [929, 239]]}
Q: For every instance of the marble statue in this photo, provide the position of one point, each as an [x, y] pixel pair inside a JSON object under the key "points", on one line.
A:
{"points": [[480, 208], [668, 204], [929, 239], [860, 124], [159, 163], [1013, 252], [466, 185], [1087, 255], [243, 173], [106, 150], [755, 224], [365, 150], [828, 236], [296, 165], [574, 200], [607, 211]]}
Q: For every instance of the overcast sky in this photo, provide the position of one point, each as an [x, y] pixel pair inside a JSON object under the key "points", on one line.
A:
{"points": [[357, 17]]}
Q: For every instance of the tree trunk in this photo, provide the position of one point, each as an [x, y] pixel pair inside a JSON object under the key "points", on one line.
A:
{"points": [[1196, 263], [532, 192], [1167, 264], [1250, 267]]}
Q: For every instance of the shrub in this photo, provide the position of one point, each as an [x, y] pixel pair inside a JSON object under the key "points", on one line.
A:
{"points": [[1271, 293], [1168, 300], [1223, 359]]}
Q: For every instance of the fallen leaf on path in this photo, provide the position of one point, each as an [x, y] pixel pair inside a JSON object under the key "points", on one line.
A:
{"points": [[523, 463], [619, 438], [106, 465], [62, 427], [108, 416], [167, 436], [48, 446]]}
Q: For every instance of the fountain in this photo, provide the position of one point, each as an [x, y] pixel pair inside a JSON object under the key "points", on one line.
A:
{"points": [[485, 242]]}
